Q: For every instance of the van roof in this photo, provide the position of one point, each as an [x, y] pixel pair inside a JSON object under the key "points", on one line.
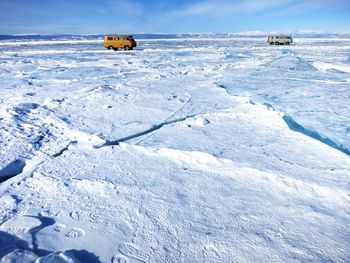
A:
{"points": [[279, 36], [116, 35]]}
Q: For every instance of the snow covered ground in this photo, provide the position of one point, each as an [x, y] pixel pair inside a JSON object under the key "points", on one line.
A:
{"points": [[194, 150]]}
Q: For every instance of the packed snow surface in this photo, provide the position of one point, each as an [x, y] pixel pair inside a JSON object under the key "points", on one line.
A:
{"points": [[194, 150]]}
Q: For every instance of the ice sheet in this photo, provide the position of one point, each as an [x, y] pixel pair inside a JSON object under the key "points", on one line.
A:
{"points": [[202, 149]]}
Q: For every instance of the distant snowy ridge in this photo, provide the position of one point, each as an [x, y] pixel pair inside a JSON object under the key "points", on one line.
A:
{"points": [[301, 33], [348, 60], [253, 34], [50, 42]]}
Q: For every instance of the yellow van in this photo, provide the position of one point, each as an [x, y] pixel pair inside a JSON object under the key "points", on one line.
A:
{"points": [[119, 41]]}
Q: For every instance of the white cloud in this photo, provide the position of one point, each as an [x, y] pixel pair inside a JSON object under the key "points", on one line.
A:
{"points": [[316, 5], [225, 7], [221, 8], [124, 8]]}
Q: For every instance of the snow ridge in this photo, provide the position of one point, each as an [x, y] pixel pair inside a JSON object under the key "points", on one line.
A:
{"points": [[11, 170], [295, 126]]}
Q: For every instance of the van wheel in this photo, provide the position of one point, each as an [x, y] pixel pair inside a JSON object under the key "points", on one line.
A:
{"points": [[287, 43], [126, 48], [110, 48]]}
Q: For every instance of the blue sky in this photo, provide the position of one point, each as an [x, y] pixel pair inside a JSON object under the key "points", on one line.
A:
{"points": [[156, 16]]}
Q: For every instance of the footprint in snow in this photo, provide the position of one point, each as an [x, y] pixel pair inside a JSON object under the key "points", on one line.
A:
{"points": [[120, 259], [59, 227], [75, 233], [79, 215], [131, 251], [85, 216]]}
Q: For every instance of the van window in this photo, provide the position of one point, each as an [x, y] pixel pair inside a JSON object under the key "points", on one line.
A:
{"points": [[109, 38]]}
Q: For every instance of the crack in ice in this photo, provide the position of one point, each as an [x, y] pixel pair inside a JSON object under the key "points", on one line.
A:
{"points": [[142, 133]]}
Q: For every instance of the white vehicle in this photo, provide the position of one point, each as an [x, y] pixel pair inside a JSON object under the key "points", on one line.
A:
{"points": [[279, 40]]}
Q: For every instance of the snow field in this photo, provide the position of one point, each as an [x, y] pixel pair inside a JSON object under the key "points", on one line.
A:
{"points": [[175, 152]]}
